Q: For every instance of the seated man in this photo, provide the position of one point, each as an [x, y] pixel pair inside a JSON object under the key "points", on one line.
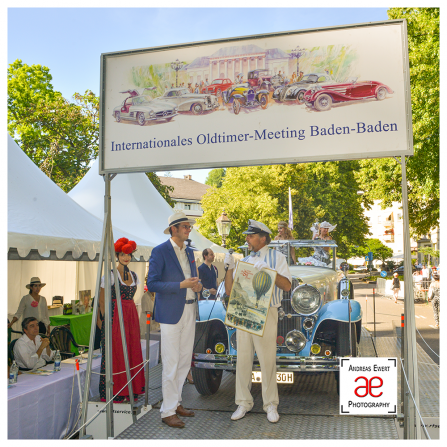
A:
{"points": [[31, 351]]}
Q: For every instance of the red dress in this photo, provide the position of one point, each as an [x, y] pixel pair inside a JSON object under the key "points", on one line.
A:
{"points": [[132, 331]]}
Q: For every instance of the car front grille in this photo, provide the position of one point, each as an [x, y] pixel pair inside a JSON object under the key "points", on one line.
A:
{"points": [[164, 113], [288, 324]]}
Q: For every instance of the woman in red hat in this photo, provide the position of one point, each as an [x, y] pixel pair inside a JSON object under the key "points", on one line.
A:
{"points": [[128, 286]]}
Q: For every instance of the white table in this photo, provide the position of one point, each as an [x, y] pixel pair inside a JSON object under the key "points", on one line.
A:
{"points": [[39, 406]]}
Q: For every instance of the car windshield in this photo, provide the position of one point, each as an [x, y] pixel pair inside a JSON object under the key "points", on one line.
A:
{"points": [[309, 78], [141, 99], [217, 81], [312, 253]]}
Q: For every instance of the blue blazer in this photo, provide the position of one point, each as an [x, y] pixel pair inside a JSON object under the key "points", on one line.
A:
{"points": [[164, 278]]}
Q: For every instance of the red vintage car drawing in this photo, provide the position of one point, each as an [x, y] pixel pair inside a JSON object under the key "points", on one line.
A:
{"points": [[218, 86], [322, 97]]}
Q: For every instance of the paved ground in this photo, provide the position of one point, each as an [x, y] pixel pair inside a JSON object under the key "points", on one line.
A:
{"points": [[388, 315]]}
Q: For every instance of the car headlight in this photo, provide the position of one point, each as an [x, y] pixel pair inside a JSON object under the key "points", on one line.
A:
{"points": [[151, 113], [175, 109], [305, 300], [295, 341]]}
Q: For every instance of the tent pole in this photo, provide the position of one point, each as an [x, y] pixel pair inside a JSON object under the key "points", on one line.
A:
{"points": [[118, 306], [412, 426], [88, 373]]}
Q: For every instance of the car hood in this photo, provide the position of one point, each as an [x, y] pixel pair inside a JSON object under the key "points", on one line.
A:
{"points": [[311, 274], [158, 106]]}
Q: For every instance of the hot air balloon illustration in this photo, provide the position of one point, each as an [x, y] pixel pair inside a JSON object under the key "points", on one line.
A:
{"points": [[261, 283]]}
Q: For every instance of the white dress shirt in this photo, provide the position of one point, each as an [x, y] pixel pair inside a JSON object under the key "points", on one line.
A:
{"points": [[25, 353], [184, 264]]}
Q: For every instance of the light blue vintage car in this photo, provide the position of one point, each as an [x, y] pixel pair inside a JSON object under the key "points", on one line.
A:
{"points": [[319, 322]]}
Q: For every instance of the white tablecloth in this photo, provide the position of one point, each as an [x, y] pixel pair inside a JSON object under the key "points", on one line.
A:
{"points": [[39, 406]]}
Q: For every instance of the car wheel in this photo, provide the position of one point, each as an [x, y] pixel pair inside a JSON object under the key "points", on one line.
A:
{"points": [[381, 93], [207, 381], [300, 97], [118, 117], [197, 109], [263, 100], [236, 106], [141, 119], [342, 345], [323, 102]]}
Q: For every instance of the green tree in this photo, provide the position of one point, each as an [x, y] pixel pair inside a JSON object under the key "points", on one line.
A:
{"points": [[381, 178], [326, 191], [215, 177], [61, 137], [379, 250]]}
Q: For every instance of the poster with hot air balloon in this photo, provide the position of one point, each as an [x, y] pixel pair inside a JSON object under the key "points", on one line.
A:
{"points": [[250, 297]]}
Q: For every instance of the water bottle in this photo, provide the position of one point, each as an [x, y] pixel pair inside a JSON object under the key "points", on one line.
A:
{"points": [[57, 361], [13, 372]]}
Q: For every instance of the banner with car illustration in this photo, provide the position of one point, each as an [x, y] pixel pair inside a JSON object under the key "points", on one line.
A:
{"points": [[313, 95]]}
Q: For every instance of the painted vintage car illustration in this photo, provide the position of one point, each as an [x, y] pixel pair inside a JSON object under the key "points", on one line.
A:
{"points": [[245, 96], [218, 86], [322, 98], [318, 322], [189, 102], [140, 107], [295, 92]]}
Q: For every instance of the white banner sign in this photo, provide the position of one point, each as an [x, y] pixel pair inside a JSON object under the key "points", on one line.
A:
{"points": [[314, 95], [368, 385]]}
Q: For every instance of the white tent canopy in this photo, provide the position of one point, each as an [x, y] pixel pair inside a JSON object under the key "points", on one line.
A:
{"points": [[136, 206], [41, 216]]}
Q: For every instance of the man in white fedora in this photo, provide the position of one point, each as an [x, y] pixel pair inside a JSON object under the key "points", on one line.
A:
{"points": [[258, 237], [173, 277]]}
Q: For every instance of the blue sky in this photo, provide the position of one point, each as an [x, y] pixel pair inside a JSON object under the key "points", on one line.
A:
{"points": [[69, 41]]}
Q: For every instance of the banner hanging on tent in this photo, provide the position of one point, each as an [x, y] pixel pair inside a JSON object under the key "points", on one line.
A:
{"points": [[314, 95]]}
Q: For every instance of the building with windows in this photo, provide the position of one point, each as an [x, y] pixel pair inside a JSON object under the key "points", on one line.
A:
{"points": [[228, 62], [187, 194], [387, 225]]}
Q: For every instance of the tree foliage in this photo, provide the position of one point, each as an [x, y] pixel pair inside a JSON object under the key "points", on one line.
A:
{"points": [[381, 178], [327, 191], [215, 177], [60, 136], [379, 250]]}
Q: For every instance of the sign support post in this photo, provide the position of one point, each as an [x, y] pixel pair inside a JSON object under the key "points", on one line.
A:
{"points": [[411, 422], [106, 258]]}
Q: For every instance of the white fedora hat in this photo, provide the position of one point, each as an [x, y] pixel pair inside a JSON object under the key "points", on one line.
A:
{"points": [[177, 218]]}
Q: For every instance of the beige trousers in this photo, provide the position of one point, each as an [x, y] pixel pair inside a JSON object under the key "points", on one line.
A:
{"points": [[265, 348]]}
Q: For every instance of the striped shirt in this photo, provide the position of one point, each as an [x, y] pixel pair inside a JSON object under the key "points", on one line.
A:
{"points": [[276, 261]]}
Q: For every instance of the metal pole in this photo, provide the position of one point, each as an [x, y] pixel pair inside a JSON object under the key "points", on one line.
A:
{"points": [[402, 354], [374, 310], [118, 307], [91, 344], [410, 358], [148, 331], [108, 314]]}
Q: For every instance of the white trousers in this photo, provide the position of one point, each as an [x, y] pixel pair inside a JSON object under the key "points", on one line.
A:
{"points": [[265, 348], [177, 342]]}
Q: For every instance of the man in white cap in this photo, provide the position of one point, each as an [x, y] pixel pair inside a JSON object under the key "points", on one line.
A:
{"points": [[258, 238], [173, 277]]}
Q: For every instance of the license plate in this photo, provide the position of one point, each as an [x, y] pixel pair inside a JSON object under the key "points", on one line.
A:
{"points": [[281, 377]]}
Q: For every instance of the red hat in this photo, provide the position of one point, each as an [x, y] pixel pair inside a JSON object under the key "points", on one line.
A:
{"points": [[123, 245]]}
